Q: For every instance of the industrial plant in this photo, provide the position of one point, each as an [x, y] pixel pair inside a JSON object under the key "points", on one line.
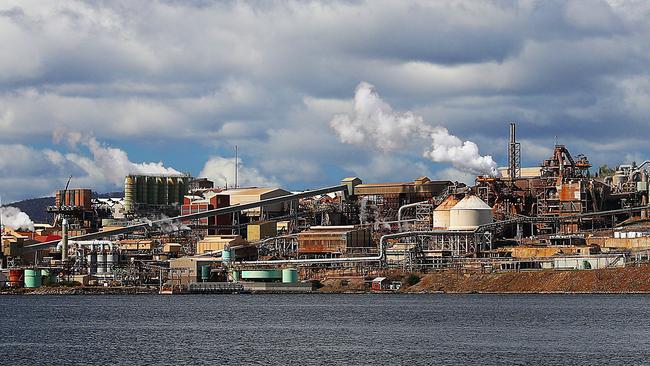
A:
{"points": [[183, 234]]}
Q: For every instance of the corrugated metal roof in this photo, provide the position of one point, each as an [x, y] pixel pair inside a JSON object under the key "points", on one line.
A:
{"points": [[447, 204], [254, 191], [471, 203]]}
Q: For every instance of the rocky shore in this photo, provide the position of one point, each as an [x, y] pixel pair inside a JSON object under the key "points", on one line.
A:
{"points": [[599, 281]]}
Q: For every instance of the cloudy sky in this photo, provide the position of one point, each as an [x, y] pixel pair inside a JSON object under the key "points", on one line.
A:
{"points": [[99, 89]]}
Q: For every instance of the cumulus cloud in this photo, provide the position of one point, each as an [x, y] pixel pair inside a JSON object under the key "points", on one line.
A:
{"points": [[375, 123], [572, 69], [93, 164], [222, 171]]}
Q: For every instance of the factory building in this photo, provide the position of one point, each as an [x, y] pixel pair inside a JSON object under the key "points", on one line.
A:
{"points": [[381, 201], [242, 196], [210, 200], [334, 240]]}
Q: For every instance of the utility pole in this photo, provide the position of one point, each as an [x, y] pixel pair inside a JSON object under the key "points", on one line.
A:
{"points": [[236, 164]]}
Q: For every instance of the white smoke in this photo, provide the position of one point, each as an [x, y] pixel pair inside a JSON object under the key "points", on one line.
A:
{"points": [[373, 122], [16, 219], [166, 225]]}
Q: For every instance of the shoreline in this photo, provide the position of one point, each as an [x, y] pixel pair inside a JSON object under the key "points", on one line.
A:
{"points": [[614, 281]]}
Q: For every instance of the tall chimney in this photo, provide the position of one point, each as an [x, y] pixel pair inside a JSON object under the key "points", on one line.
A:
{"points": [[514, 154], [64, 241]]}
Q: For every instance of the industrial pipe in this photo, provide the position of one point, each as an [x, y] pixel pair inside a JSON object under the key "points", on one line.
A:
{"points": [[399, 212], [377, 258], [64, 240]]}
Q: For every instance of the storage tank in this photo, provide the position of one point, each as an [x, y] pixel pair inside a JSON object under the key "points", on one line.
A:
{"points": [[111, 262], [152, 190], [441, 213], [32, 278], [469, 214], [129, 193], [264, 275], [101, 263], [161, 184], [182, 188], [140, 189], [91, 262], [289, 275], [16, 277], [45, 276], [172, 191]]}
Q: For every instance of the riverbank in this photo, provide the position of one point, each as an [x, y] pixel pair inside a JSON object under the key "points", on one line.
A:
{"points": [[630, 280], [80, 290], [599, 281]]}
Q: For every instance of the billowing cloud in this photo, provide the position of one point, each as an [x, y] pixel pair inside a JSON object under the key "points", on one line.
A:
{"points": [[38, 172], [374, 122], [222, 171], [268, 76]]}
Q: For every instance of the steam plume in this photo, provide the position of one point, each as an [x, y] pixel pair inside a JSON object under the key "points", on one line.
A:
{"points": [[373, 122], [16, 219]]}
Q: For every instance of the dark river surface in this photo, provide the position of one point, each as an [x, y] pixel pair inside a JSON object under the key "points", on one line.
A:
{"points": [[326, 329]]}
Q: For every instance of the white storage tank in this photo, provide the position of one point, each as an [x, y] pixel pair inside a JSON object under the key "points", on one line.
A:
{"points": [[469, 214], [441, 213]]}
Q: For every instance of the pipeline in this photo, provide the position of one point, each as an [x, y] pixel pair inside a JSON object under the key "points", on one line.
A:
{"points": [[399, 212], [377, 258]]}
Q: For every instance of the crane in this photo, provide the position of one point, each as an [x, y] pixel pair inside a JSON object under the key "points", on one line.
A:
{"points": [[57, 218]]}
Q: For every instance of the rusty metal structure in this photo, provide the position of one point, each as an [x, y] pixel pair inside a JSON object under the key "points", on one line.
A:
{"points": [[563, 187], [381, 201]]}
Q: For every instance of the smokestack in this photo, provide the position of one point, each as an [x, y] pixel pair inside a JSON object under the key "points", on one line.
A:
{"points": [[236, 164], [64, 241], [514, 154]]}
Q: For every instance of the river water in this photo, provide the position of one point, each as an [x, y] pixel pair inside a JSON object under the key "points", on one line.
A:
{"points": [[326, 329]]}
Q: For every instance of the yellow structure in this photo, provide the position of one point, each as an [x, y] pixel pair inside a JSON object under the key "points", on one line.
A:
{"points": [[548, 251], [261, 230], [213, 243]]}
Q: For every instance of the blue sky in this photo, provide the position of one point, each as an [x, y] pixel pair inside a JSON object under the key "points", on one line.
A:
{"points": [[99, 89]]}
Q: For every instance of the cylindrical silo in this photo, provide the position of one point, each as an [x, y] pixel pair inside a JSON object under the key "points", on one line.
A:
{"points": [[77, 197], [469, 214], [111, 261], [129, 192], [141, 189], [152, 190], [289, 275], [161, 183], [441, 213], [91, 262], [182, 188], [101, 262], [32, 278], [172, 190]]}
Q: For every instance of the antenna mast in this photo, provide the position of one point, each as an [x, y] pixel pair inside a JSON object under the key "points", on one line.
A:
{"points": [[236, 164]]}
